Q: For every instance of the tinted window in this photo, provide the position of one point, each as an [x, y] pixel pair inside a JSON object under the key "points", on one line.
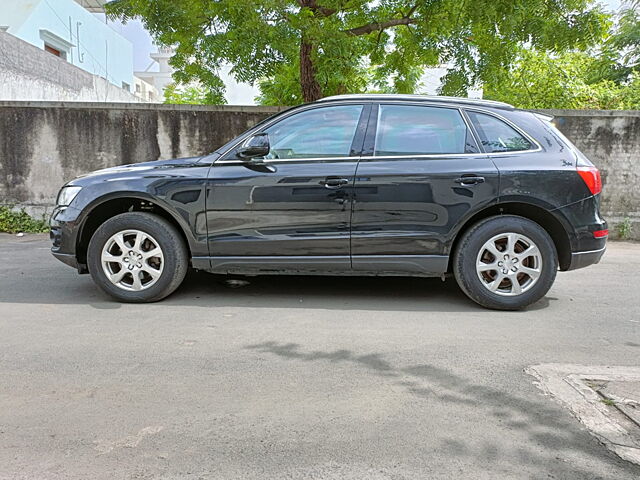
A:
{"points": [[415, 130], [320, 132], [497, 136]]}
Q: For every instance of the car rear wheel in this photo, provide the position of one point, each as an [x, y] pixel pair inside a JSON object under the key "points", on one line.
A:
{"points": [[137, 257], [505, 262]]}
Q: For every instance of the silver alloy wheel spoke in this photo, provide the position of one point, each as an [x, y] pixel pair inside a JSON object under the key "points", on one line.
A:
{"points": [[152, 253], [516, 288], [532, 272], [108, 257], [138, 241], [493, 286], [118, 238], [132, 260], [509, 264], [116, 277], [487, 267], [137, 283], [532, 250], [151, 271]]}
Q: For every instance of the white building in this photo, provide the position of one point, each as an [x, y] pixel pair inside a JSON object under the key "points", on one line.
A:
{"points": [[145, 91], [162, 77], [71, 31]]}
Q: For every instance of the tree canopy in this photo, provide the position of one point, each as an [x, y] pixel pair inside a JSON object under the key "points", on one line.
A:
{"points": [[193, 94], [301, 50], [606, 76]]}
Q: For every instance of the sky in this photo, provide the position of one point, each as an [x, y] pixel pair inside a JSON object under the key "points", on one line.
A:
{"points": [[237, 94]]}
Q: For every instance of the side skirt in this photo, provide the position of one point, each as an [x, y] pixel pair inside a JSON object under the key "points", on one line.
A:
{"points": [[364, 265]]}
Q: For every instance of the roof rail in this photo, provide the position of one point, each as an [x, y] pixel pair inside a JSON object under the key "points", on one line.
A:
{"points": [[431, 98]]}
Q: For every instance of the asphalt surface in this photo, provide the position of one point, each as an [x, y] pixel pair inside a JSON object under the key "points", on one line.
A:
{"points": [[310, 378]]}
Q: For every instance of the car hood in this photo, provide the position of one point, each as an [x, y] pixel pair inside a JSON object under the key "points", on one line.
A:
{"points": [[135, 169]]}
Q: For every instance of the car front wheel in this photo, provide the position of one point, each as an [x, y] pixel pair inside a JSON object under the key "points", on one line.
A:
{"points": [[137, 257], [505, 262]]}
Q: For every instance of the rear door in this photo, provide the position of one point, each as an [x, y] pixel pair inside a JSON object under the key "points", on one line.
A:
{"points": [[421, 174], [289, 211]]}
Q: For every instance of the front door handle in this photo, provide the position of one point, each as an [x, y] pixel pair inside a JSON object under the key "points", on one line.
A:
{"points": [[335, 182], [469, 180]]}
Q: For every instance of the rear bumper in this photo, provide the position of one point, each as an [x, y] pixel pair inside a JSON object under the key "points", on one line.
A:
{"points": [[584, 259]]}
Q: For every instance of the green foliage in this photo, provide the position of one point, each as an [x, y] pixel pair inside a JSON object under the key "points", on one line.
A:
{"points": [[178, 94], [538, 80], [620, 55], [12, 221], [624, 229], [606, 76], [298, 50]]}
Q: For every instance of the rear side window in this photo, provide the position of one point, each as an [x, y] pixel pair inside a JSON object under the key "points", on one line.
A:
{"points": [[405, 130], [496, 135]]}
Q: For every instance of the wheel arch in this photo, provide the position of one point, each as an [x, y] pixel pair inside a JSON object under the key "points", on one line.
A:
{"points": [[113, 204], [548, 221]]}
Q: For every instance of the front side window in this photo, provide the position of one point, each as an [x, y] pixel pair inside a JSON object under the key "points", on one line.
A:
{"points": [[419, 130], [316, 133], [496, 135]]}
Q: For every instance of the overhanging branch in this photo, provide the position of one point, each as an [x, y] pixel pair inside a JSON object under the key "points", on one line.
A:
{"points": [[379, 26]]}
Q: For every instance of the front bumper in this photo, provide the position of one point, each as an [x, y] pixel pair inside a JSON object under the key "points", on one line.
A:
{"points": [[63, 234], [67, 259]]}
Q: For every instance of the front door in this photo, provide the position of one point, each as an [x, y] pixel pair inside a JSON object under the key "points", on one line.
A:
{"points": [[422, 175], [289, 211]]}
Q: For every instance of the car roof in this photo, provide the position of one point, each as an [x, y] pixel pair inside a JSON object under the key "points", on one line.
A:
{"points": [[426, 98]]}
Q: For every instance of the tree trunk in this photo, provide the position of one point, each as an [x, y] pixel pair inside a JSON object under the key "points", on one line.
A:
{"points": [[310, 87]]}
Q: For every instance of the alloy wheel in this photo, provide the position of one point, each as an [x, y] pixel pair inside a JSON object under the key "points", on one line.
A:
{"points": [[132, 260], [509, 264]]}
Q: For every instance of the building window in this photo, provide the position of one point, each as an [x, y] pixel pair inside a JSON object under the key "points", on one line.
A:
{"points": [[126, 86], [55, 51], [55, 44]]}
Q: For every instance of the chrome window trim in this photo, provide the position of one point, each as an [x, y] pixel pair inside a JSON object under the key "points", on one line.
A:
{"points": [[288, 160], [383, 157]]}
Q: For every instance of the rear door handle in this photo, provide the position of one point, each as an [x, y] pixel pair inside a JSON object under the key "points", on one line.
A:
{"points": [[469, 180], [335, 182]]}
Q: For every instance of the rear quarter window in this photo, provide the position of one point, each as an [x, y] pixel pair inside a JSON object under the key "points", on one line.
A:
{"points": [[496, 135]]}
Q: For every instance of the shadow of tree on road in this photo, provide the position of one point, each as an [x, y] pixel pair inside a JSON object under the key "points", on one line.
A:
{"points": [[552, 434]]}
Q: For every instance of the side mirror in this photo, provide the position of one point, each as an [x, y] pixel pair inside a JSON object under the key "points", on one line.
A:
{"points": [[255, 146]]}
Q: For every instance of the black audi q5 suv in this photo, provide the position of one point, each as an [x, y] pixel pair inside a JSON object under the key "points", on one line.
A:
{"points": [[349, 185]]}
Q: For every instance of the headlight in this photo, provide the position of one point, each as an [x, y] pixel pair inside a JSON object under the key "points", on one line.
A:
{"points": [[66, 195]]}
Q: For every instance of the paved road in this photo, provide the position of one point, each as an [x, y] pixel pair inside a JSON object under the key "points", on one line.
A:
{"points": [[300, 378]]}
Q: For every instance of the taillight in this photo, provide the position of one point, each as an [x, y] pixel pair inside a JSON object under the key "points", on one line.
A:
{"points": [[600, 233], [591, 177]]}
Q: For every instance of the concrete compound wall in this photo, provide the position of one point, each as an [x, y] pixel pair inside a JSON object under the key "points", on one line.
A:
{"points": [[43, 145], [611, 140]]}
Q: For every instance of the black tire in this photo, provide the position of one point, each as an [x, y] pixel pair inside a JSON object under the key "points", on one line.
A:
{"points": [[469, 248], [174, 251]]}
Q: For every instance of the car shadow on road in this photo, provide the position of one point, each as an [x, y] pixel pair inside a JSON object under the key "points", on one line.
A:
{"points": [[329, 293], [306, 292], [551, 435]]}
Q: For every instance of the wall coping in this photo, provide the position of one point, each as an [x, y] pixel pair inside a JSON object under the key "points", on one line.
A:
{"points": [[140, 106], [261, 108], [588, 113]]}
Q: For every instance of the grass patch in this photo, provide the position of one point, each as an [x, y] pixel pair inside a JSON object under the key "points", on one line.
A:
{"points": [[625, 229], [12, 221], [608, 401]]}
